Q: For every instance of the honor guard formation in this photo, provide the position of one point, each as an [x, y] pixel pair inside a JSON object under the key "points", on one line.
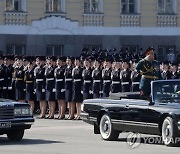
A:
{"points": [[60, 84]]}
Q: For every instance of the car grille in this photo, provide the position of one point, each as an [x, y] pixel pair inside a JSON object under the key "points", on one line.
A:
{"points": [[6, 113]]}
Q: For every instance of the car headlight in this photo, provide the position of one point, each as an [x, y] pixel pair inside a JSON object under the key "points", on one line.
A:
{"points": [[22, 111]]}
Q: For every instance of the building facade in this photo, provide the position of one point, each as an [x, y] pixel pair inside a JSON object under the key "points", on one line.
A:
{"points": [[65, 27]]}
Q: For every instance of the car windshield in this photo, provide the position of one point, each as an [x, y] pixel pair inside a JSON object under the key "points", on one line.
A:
{"points": [[166, 91]]}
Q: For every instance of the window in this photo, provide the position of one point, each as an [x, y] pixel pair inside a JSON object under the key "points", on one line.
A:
{"points": [[92, 6], [130, 6], [54, 50], [15, 49], [16, 5], [92, 47], [166, 6], [55, 6], [131, 48], [163, 51]]}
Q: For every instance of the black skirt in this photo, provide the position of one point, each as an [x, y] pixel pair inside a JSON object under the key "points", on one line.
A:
{"points": [[68, 91], [30, 92], [60, 91], [50, 95], [77, 95], [115, 88], [106, 89], [19, 90]]}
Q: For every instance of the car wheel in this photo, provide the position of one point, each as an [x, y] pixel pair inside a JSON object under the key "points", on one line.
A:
{"points": [[15, 135], [168, 132], [106, 129]]}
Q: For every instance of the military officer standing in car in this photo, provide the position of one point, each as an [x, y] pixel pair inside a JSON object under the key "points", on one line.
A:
{"points": [[150, 70]]}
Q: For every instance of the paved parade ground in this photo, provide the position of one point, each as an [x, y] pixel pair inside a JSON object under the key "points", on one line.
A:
{"points": [[74, 137]]}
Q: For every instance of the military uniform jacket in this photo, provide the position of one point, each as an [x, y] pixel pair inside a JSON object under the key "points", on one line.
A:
{"points": [[19, 76], [97, 80], [39, 78], [87, 79], [29, 80], [2, 76], [59, 77], [49, 74], [165, 75], [175, 75], [68, 77]]}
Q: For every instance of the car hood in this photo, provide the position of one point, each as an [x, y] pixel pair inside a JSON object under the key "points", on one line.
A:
{"points": [[8, 102]]}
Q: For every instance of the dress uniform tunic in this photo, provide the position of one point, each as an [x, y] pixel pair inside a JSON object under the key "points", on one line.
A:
{"points": [[125, 76], [39, 83], [97, 82], [1, 80], [149, 73], [77, 84], [135, 79], [29, 80], [106, 76], [165, 75], [8, 69], [87, 83], [19, 83], [116, 82], [59, 83], [50, 84], [175, 75], [68, 84]]}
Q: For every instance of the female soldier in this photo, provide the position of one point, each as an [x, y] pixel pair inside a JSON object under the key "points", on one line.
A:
{"points": [[135, 78], [29, 80], [40, 87], [50, 84], [87, 80], [68, 87], [125, 77], [97, 80], [77, 87], [115, 77], [106, 75], [19, 81], [59, 86]]}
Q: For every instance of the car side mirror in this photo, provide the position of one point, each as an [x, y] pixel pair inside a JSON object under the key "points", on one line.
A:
{"points": [[151, 102]]}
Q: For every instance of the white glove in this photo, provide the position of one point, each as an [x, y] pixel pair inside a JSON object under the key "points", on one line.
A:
{"points": [[62, 90], [81, 92], [43, 90], [54, 90], [90, 91]]}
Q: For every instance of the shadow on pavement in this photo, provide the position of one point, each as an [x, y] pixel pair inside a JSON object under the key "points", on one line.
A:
{"points": [[5, 141]]}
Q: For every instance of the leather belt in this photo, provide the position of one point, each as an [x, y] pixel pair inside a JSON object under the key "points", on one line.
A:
{"points": [[115, 82], [107, 81], [124, 83], [19, 79], [96, 80], [87, 81], [77, 80], [58, 80], [37, 80], [29, 81], [68, 79], [49, 79], [149, 77], [135, 82]]}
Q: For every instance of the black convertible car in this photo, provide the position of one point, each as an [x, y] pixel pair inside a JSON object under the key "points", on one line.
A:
{"points": [[158, 115], [15, 117]]}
